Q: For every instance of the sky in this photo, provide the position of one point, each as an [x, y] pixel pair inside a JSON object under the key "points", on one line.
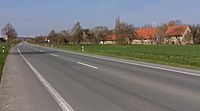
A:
{"points": [[39, 17]]}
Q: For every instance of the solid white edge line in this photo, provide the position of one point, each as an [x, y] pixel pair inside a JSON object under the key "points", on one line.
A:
{"points": [[125, 62], [57, 97], [87, 65], [160, 68], [153, 67]]}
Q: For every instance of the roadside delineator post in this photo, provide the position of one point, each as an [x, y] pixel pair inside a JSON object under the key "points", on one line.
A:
{"points": [[83, 49], [3, 49]]}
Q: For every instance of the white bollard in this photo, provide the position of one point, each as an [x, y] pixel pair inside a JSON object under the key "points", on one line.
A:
{"points": [[83, 49], [3, 49]]}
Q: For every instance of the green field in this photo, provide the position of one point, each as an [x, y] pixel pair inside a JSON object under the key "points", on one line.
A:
{"points": [[3, 57], [181, 56]]}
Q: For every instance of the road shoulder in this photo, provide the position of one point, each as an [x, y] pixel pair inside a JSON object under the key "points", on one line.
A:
{"points": [[20, 89]]}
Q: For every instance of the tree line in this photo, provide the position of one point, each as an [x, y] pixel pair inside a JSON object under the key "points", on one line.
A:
{"points": [[79, 35], [124, 31], [76, 35]]}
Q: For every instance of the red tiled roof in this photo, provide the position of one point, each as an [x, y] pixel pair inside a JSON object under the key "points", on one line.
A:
{"points": [[147, 33], [176, 30], [112, 37]]}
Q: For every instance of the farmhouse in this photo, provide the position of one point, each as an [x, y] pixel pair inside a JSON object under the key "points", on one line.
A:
{"points": [[109, 39], [146, 36], [115, 39], [178, 35]]}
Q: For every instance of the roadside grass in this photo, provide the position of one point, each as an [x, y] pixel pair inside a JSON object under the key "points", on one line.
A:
{"points": [[3, 56], [179, 56]]}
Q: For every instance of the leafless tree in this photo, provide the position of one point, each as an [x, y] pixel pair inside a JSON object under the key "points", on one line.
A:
{"points": [[39, 40], [161, 34], [66, 37], [196, 33], [130, 32], [52, 36], [99, 33], [58, 38], [188, 38], [77, 34], [125, 32], [10, 33], [147, 26], [175, 23]]}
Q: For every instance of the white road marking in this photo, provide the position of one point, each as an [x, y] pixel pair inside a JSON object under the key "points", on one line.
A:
{"points": [[131, 63], [143, 65], [160, 68], [41, 51], [57, 97], [88, 65], [54, 55], [148, 66]]}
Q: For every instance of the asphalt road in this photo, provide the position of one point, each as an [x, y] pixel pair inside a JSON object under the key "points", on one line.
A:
{"points": [[100, 84]]}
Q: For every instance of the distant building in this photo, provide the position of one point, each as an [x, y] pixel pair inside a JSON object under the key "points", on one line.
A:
{"points": [[115, 39], [146, 36], [177, 35], [110, 39]]}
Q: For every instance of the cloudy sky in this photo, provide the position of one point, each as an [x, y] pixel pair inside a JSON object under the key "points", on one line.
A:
{"points": [[36, 17]]}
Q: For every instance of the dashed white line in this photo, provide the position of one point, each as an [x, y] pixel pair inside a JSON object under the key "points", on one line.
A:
{"points": [[54, 55], [88, 65], [57, 97], [131, 63], [137, 64]]}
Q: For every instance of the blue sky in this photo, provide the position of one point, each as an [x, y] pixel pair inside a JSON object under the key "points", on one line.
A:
{"points": [[36, 17]]}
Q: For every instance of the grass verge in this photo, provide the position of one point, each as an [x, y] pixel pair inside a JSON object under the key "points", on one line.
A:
{"points": [[3, 56], [179, 56]]}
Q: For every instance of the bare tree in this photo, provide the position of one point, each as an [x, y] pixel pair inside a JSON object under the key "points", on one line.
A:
{"points": [[39, 40], [196, 33], [10, 32], [100, 32], [161, 34], [188, 38], [52, 36], [147, 26], [175, 23], [58, 38], [130, 32], [77, 34], [66, 37], [125, 32]]}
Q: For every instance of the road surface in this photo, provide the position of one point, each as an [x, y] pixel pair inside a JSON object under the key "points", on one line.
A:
{"points": [[95, 83]]}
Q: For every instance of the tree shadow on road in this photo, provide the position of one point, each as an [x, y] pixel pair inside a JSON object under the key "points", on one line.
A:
{"points": [[32, 53]]}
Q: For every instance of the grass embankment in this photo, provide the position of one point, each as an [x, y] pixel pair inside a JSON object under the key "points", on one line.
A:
{"points": [[181, 56], [3, 56]]}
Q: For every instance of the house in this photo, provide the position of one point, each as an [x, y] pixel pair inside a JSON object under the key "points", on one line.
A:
{"points": [[146, 36], [114, 39], [178, 35]]}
